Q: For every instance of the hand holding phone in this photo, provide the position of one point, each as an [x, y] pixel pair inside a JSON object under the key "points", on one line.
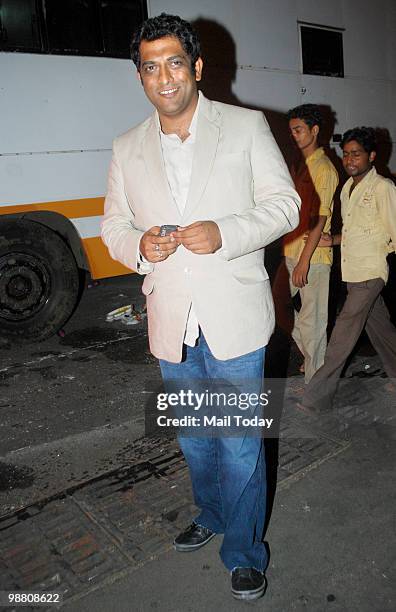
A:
{"points": [[165, 230], [156, 244]]}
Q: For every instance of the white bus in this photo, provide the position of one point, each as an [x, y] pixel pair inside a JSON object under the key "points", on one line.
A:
{"points": [[68, 87]]}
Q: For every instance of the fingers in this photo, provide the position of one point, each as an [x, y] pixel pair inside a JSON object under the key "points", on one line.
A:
{"points": [[161, 250], [194, 238], [161, 256], [192, 226], [168, 246], [201, 237], [194, 229], [161, 253], [198, 242], [184, 235], [163, 242], [198, 245], [299, 279], [325, 240], [155, 247]]}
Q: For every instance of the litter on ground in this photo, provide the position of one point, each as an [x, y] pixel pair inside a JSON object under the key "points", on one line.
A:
{"points": [[128, 315]]}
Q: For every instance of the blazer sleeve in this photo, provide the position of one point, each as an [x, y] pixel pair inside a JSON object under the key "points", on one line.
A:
{"points": [[118, 231], [276, 202]]}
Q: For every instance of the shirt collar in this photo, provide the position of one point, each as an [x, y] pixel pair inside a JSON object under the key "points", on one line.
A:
{"points": [[315, 155], [369, 177], [192, 129]]}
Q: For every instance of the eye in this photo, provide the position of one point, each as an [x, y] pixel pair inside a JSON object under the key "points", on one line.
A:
{"points": [[149, 68], [176, 63]]}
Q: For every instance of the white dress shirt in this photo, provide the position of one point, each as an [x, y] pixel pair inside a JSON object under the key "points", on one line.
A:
{"points": [[178, 159]]}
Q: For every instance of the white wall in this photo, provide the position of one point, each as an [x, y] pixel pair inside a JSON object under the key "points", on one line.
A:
{"points": [[55, 103], [64, 103], [268, 55]]}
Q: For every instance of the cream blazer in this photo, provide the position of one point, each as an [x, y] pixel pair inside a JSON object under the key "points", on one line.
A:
{"points": [[240, 181]]}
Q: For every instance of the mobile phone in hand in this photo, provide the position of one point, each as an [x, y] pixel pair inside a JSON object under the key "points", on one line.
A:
{"points": [[165, 230]]}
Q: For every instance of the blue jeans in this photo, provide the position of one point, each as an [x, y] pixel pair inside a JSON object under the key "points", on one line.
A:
{"points": [[227, 473]]}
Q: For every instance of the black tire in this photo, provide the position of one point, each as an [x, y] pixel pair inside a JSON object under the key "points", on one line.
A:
{"points": [[39, 280]]}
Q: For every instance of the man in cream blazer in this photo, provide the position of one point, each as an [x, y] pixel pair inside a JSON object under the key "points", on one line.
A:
{"points": [[214, 171]]}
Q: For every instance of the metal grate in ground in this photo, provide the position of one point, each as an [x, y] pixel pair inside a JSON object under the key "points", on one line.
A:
{"points": [[363, 400], [120, 521], [58, 548]]}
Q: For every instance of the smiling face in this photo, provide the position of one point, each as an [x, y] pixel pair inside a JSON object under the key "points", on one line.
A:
{"points": [[168, 81], [356, 161], [304, 136]]}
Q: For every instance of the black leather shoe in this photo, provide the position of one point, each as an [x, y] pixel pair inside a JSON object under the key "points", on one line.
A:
{"points": [[247, 583], [193, 538]]}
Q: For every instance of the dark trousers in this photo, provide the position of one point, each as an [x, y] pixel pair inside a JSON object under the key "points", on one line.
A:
{"points": [[363, 308]]}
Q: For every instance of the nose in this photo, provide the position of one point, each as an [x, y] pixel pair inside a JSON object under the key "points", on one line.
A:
{"points": [[164, 74]]}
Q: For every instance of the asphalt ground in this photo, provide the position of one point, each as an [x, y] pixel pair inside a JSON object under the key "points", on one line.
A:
{"points": [[332, 548], [71, 405], [72, 414]]}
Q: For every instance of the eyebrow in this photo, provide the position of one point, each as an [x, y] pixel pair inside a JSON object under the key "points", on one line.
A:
{"points": [[168, 59], [178, 56]]}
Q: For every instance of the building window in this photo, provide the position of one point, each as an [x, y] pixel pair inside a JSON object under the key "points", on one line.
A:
{"points": [[116, 17], [19, 26], [322, 51], [70, 27]]}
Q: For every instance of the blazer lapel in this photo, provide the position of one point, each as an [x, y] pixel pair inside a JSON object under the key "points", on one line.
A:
{"points": [[153, 158], [207, 138]]}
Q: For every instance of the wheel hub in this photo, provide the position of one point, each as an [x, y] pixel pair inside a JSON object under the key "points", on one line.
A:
{"points": [[24, 286]]}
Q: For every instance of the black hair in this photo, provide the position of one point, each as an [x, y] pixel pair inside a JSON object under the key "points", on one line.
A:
{"points": [[310, 113], [365, 136], [167, 25]]}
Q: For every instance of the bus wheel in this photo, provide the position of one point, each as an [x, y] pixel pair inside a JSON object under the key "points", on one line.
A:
{"points": [[39, 280]]}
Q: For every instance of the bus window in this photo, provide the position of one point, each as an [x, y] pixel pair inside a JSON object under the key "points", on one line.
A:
{"points": [[70, 27], [19, 26], [116, 19]]}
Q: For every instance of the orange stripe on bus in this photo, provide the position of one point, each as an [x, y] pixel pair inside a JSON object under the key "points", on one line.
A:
{"points": [[85, 207], [101, 264]]}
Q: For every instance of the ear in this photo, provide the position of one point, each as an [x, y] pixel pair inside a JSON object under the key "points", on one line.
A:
{"points": [[138, 76], [315, 130], [198, 69], [372, 156]]}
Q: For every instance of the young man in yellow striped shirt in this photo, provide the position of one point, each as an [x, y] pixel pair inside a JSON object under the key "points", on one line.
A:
{"points": [[308, 267]]}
